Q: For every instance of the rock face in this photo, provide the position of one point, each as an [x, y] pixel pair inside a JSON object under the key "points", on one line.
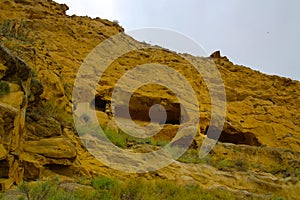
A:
{"points": [[36, 138], [17, 156], [261, 109], [56, 148]]}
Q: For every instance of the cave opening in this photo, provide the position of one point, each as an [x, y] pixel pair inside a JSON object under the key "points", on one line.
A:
{"points": [[4, 169], [139, 109], [99, 103], [232, 136]]}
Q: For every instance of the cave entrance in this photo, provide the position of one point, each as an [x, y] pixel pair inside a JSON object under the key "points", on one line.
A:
{"points": [[4, 169], [233, 136], [139, 108]]}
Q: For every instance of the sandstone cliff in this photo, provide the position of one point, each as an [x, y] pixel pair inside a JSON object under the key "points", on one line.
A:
{"points": [[41, 51]]}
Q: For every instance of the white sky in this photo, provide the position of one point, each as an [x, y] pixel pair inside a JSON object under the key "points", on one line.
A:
{"points": [[261, 34]]}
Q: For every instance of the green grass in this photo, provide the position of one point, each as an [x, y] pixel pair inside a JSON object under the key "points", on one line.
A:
{"points": [[124, 140], [107, 188], [192, 156], [110, 189], [103, 183], [118, 138], [224, 164]]}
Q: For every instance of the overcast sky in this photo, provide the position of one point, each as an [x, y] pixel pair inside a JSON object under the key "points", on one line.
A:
{"points": [[261, 34]]}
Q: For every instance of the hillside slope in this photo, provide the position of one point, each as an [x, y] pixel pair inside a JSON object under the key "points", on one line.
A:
{"points": [[41, 51]]}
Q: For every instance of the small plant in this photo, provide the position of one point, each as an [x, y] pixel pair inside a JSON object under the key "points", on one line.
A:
{"points": [[276, 168], [25, 189], [83, 180], [21, 39], [192, 156], [241, 165], [224, 164], [16, 29], [160, 143], [48, 109], [119, 139], [4, 87], [297, 172], [116, 21], [103, 183], [42, 190], [1, 196]]}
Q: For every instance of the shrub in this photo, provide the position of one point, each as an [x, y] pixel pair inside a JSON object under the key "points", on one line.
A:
{"points": [[4, 87], [16, 29], [1, 196], [18, 36], [103, 183], [51, 109], [192, 156], [119, 139], [42, 190], [241, 165], [276, 168], [116, 21], [297, 172], [224, 164], [24, 188]]}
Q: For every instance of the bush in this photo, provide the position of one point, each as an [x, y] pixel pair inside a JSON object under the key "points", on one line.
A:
{"points": [[241, 165], [48, 109], [103, 183], [16, 29], [297, 172], [192, 156], [224, 164], [119, 139], [42, 190], [4, 87]]}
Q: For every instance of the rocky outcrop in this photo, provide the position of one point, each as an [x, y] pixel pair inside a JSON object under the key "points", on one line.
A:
{"points": [[19, 158], [58, 148]]}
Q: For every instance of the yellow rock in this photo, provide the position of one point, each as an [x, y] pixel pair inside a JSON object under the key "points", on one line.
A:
{"points": [[3, 152], [14, 99], [51, 148]]}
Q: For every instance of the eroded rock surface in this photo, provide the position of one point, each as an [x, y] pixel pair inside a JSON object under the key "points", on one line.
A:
{"points": [[262, 118]]}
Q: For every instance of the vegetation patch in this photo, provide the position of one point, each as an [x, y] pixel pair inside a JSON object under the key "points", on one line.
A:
{"points": [[4, 87], [112, 189], [47, 109]]}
